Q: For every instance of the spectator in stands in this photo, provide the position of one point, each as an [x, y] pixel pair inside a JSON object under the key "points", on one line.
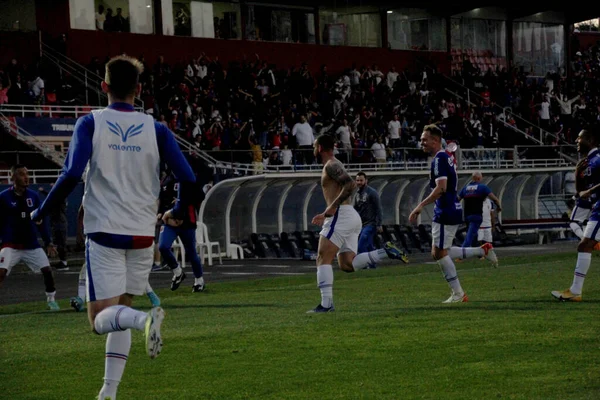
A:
{"points": [[4, 90], [100, 18], [303, 133]]}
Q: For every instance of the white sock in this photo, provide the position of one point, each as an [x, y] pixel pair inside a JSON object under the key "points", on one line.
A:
{"points": [[81, 283], [64, 263], [576, 228], [362, 260], [117, 351], [199, 281], [325, 283], [177, 271], [583, 264], [50, 296], [149, 288], [119, 318], [449, 270], [465, 252]]}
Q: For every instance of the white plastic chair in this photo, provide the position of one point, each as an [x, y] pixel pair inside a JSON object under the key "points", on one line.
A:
{"points": [[202, 241]]}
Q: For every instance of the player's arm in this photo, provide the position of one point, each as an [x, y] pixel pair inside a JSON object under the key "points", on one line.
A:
{"points": [[172, 155], [80, 151], [336, 172], [579, 175], [441, 184], [496, 201]]}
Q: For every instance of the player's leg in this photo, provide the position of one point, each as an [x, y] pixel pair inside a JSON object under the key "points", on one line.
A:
{"points": [[325, 255], [591, 236], [168, 234], [578, 215], [109, 310], [471, 232], [152, 296], [37, 261], [59, 236], [156, 262], [486, 250], [8, 259], [443, 235], [78, 302], [188, 239]]}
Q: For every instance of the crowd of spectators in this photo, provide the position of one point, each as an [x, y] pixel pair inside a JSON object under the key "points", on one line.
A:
{"points": [[253, 112]]}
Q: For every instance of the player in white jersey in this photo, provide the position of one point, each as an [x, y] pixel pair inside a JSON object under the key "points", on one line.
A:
{"points": [[486, 230], [124, 150]]}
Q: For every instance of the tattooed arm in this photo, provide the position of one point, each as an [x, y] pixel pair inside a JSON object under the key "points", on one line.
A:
{"points": [[336, 172]]}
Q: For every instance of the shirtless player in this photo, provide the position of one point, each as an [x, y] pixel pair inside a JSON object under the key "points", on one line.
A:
{"points": [[341, 227]]}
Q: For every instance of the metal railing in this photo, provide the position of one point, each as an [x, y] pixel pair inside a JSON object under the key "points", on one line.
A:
{"points": [[21, 134], [52, 111], [87, 78], [35, 175]]}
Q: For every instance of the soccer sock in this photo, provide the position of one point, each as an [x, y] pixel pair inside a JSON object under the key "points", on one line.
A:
{"points": [[325, 283], [362, 260], [149, 288], [177, 271], [576, 228], [199, 281], [119, 318], [449, 270], [583, 264], [81, 284], [50, 296], [117, 351], [466, 252], [48, 280]]}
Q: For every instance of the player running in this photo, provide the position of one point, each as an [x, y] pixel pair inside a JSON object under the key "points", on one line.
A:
{"points": [[341, 226], [447, 213], [124, 149], [589, 167], [186, 232], [19, 233]]}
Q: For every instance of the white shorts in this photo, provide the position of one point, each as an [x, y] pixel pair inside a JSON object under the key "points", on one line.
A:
{"points": [[580, 214], [485, 235], [592, 231], [35, 259], [443, 235], [343, 229], [113, 272]]}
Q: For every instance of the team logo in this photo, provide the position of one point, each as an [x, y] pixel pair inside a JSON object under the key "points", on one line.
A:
{"points": [[132, 131], [29, 202]]}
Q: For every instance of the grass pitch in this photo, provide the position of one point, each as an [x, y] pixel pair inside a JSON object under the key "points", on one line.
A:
{"points": [[390, 338]]}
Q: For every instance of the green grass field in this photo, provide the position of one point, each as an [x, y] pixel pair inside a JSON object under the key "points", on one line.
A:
{"points": [[390, 338]]}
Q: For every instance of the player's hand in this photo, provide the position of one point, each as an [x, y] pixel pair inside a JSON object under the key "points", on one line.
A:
{"points": [[583, 163], [168, 219], [412, 218], [380, 229], [498, 208], [318, 219], [51, 251], [159, 217], [35, 218]]}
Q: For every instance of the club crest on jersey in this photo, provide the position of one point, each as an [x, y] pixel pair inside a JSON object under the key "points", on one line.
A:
{"points": [[132, 131], [29, 202]]}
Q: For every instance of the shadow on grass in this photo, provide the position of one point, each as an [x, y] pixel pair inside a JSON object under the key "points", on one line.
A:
{"points": [[223, 306]]}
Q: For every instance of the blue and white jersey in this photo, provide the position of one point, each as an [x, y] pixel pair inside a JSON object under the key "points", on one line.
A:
{"points": [[447, 209], [122, 150], [592, 178], [474, 195], [17, 231]]}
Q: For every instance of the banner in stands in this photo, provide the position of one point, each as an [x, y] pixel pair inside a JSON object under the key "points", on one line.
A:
{"points": [[47, 126]]}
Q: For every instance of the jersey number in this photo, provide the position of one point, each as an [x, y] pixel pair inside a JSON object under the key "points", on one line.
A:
{"points": [[23, 215]]}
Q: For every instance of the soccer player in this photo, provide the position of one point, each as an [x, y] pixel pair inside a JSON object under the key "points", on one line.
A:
{"points": [[447, 213], [583, 207], [186, 232], [124, 149], [485, 234], [19, 233], [341, 226], [368, 206], [589, 167], [474, 194]]}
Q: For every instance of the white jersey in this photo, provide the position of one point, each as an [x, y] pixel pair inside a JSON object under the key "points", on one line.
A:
{"points": [[486, 221], [123, 179]]}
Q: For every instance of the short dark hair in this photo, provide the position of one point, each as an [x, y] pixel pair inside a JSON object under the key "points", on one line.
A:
{"points": [[360, 173], [434, 130], [592, 133], [326, 142], [123, 75], [15, 167]]}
